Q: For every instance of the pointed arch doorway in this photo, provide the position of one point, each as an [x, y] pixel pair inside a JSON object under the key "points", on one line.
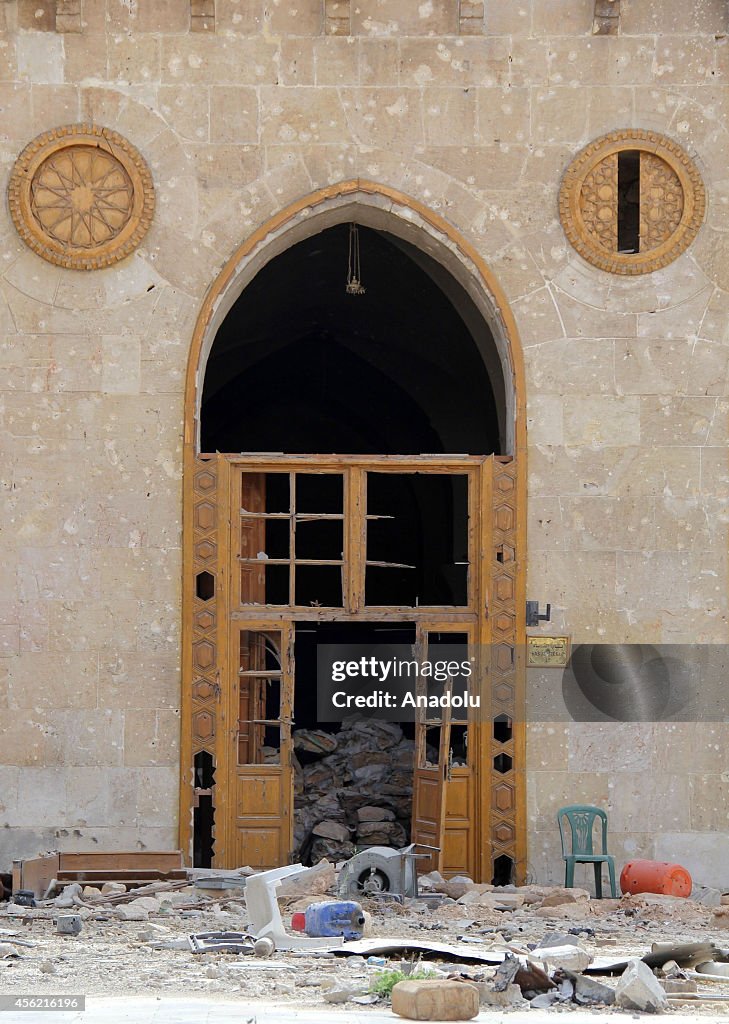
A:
{"points": [[353, 464]]}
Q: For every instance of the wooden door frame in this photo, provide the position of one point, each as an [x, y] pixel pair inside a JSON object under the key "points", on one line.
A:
{"points": [[206, 515]]}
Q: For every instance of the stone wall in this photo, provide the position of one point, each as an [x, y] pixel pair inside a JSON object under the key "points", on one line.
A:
{"points": [[475, 110]]}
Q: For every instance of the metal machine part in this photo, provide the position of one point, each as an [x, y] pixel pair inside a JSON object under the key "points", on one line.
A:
{"points": [[380, 871]]}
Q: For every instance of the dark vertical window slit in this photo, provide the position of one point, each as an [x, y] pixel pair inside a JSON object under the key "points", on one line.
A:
{"points": [[629, 201]]}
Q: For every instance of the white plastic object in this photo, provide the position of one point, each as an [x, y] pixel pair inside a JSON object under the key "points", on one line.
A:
{"points": [[264, 916]]}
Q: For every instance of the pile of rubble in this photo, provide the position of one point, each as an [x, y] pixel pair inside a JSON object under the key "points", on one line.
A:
{"points": [[508, 947], [352, 789]]}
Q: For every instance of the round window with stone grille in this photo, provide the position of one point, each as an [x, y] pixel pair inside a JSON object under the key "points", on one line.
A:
{"points": [[631, 202], [81, 196]]}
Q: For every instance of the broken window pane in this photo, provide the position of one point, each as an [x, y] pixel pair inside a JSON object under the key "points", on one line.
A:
{"points": [[319, 585], [320, 539], [259, 742], [417, 539], [259, 706], [265, 492], [459, 745], [431, 752], [320, 493]]}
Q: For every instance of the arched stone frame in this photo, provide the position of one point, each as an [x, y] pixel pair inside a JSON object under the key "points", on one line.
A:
{"points": [[377, 206]]}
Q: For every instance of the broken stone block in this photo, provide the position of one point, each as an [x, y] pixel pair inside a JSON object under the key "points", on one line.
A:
{"points": [[430, 881], [148, 903], [368, 813], [677, 986], [586, 991], [381, 833], [639, 989], [508, 998], [315, 741], [70, 897], [567, 911], [561, 896], [544, 1000], [113, 888], [573, 958], [68, 924], [332, 830], [456, 887], [90, 890], [343, 991], [721, 917], [316, 881], [435, 1000], [128, 913]]}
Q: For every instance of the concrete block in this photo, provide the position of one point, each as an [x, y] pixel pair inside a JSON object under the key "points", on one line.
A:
{"points": [[435, 1000], [639, 989]]}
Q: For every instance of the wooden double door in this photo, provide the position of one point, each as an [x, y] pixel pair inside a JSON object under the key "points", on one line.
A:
{"points": [[276, 547]]}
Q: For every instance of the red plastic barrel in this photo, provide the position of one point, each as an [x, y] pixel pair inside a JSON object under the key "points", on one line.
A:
{"points": [[655, 876]]}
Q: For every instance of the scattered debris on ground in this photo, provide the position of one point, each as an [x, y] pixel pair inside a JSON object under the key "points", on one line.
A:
{"points": [[218, 933]]}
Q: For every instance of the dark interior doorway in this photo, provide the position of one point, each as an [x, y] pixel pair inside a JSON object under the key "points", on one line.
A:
{"points": [[301, 366]]}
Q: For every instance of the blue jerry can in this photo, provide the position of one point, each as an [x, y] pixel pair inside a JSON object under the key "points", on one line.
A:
{"points": [[335, 917]]}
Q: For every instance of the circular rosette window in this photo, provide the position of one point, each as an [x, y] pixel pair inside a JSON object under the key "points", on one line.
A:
{"points": [[81, 196], [631, 202]]}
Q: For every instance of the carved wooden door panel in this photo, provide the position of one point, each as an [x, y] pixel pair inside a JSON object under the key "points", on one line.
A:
{"points": [[430, 771], [444, 772], [262, 696]]}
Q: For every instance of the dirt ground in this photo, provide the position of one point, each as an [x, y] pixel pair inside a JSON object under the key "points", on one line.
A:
{"points": [[115, 957]]}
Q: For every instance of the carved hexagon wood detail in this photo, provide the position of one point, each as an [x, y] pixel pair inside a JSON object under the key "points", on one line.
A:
{"points": [[204, 654], [205, 516], [505, 518], [205, 619], [504, 693], [203, 690], [670, 211], [81, 196], [504, 797], [504, 587], [203, 725], [205, 550], [205, 481], [504, 622], [504, 657], [504, 833]]}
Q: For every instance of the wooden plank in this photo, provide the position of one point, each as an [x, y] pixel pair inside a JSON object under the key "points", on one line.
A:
{"points": [[37, 873], [168, 860], [482, 745], [265, 462], [229, 490], [138, 877], [186, 809]]}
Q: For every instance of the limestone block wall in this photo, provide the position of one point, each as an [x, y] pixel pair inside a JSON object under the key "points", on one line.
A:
{"points": [[474, 110]]}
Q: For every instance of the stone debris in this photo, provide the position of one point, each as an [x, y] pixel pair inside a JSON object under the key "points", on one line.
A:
{"points": [[502, 999], [639, 989], [69, 924], [352, 789], [494, 938], [71, 896], [314, 881], [437, 999], [571, 957], [343, 992], [584, 990]]}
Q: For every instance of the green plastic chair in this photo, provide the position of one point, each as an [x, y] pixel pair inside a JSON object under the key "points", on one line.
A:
{"points": [[581, 819]]}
